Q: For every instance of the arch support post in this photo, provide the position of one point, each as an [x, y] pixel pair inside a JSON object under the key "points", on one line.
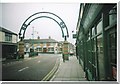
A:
{"points": [[21, 49], [65, 49]]}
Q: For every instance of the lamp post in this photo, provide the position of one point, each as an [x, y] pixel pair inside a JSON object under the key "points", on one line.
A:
{"points": [[33, 40], [33, 32]]}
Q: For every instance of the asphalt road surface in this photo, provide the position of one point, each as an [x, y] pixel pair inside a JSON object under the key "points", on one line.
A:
{"points": [[30, 69]]}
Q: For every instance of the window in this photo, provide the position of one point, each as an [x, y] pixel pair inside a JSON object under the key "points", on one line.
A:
{"points": [[100, 56], [93, 31], [8, 37], [50, 49], [99, 27], [99, 44], [60, 49], [88, 35], [40, 49], [94, 50], [113, 15]]}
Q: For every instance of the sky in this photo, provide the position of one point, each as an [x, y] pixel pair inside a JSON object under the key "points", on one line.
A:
{"points": [[14, 14]]}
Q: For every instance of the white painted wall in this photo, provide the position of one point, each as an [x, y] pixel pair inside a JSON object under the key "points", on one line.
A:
{"points": [[14, 39], [2, 36]]}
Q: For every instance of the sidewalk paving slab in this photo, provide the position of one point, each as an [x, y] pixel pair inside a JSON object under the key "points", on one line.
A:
{"points": [[69, 70]]}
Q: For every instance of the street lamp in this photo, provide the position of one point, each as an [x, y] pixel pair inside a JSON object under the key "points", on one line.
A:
{"points": [[33, 32], [33, 41]]}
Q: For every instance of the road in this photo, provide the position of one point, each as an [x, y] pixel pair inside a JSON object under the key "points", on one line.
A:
{"points": [[30, 69]]}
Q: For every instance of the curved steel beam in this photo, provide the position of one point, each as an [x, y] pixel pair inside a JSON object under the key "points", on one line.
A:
{"points": [[45, 17], [49, 15]]}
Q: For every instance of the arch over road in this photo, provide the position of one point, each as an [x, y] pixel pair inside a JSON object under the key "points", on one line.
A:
{"points": [[49, 15]]}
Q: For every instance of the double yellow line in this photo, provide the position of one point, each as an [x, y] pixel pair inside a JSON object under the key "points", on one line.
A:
{"points": [[52, 72]]}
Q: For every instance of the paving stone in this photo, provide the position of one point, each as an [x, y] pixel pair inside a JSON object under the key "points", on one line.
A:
{"points": [[70, 71]]}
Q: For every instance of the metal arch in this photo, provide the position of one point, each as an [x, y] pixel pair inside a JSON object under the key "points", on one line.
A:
{"points": [[60, 23], [45, 17]]}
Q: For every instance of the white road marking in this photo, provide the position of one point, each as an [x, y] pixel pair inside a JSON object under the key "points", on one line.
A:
{"points": [[38, 61], [22, 69]]}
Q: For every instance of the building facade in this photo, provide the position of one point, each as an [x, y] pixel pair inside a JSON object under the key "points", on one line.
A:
{"points": [[96, 43], [8, 40], [41, 45]]}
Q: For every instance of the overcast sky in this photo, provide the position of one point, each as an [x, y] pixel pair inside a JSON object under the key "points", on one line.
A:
{"points": [[14, 14]]}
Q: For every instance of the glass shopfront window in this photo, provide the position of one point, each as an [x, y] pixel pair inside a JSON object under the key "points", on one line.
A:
{"points": [[100, 56], [93, 31], [94, 50], [99, 27], [99, 44]]}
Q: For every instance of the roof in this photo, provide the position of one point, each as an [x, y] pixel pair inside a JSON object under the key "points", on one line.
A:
{"points": [[7, 31], [40, 41]]}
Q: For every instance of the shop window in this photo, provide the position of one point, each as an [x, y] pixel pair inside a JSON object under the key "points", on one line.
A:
{"points": [[99, 27], [93, 31], [100, 56], [99, 43], [94, 49]]}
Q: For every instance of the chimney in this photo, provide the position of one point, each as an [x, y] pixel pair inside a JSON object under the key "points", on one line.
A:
{"points": [[38, 37], [49, 37]]}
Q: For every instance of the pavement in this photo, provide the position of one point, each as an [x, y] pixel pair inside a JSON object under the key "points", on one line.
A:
{"points": [[69, 70]]}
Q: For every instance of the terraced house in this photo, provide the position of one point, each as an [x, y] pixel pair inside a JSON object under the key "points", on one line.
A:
{"points": [[42, 45], [8, 40]]}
